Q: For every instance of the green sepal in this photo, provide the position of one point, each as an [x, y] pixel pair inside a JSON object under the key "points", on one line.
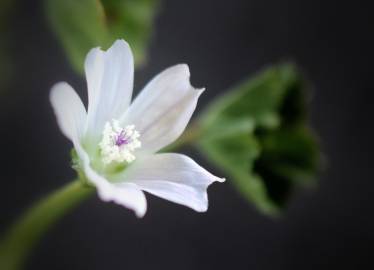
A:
{"points": [[85, 24], [76, 165], [257, 134]]}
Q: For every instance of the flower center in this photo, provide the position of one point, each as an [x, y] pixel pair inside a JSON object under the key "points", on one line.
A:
{"points": [[118, 144], [122, 138]]}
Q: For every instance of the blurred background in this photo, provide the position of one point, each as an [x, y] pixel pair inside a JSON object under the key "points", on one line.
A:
{"points": [[330, 227]]}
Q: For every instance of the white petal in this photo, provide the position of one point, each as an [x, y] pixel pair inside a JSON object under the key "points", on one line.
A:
{"points": [[163, 109], [173, 177], [125, 194], [69, 110], [110, 78], [94, 69]]}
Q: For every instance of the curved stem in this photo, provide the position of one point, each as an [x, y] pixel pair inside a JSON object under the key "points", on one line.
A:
{"points": [[24, 234], [188, 137], [18, 242]]}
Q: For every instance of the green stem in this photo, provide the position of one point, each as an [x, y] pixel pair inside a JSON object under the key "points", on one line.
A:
{"points": [[18, 242], [25, 233], [188, 137]]}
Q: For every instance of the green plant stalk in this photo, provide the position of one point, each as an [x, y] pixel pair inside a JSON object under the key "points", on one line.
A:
{"points": [[188, 138], [21, 238], [19, 241]]}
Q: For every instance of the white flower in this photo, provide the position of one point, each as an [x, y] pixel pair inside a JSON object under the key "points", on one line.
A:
{"points": [[117, 142]]}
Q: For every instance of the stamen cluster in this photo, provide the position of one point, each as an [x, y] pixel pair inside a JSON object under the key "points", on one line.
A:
{"points": [[118, 144]]}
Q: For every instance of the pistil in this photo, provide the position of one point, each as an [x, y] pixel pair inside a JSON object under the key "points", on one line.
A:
{"points": [[118, 144]]}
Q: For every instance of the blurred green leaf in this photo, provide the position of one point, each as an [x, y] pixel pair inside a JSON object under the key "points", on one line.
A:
{"points": [[83, 24], [274, 151]]}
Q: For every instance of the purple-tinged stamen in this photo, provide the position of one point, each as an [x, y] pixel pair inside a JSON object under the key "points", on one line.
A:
{"points": [[122, 139]]}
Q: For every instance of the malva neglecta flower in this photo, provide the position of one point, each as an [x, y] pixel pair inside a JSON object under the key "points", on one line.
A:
{"points": [[117, 142]]}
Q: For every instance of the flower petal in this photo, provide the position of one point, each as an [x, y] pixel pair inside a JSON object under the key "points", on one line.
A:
{"points": [[163, 109], [173, 177], [94, 69], [69, 110], [110, 77], [125, 194]]}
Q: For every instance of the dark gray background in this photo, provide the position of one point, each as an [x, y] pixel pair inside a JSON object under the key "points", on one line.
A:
{"points": [[223, 42]]}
